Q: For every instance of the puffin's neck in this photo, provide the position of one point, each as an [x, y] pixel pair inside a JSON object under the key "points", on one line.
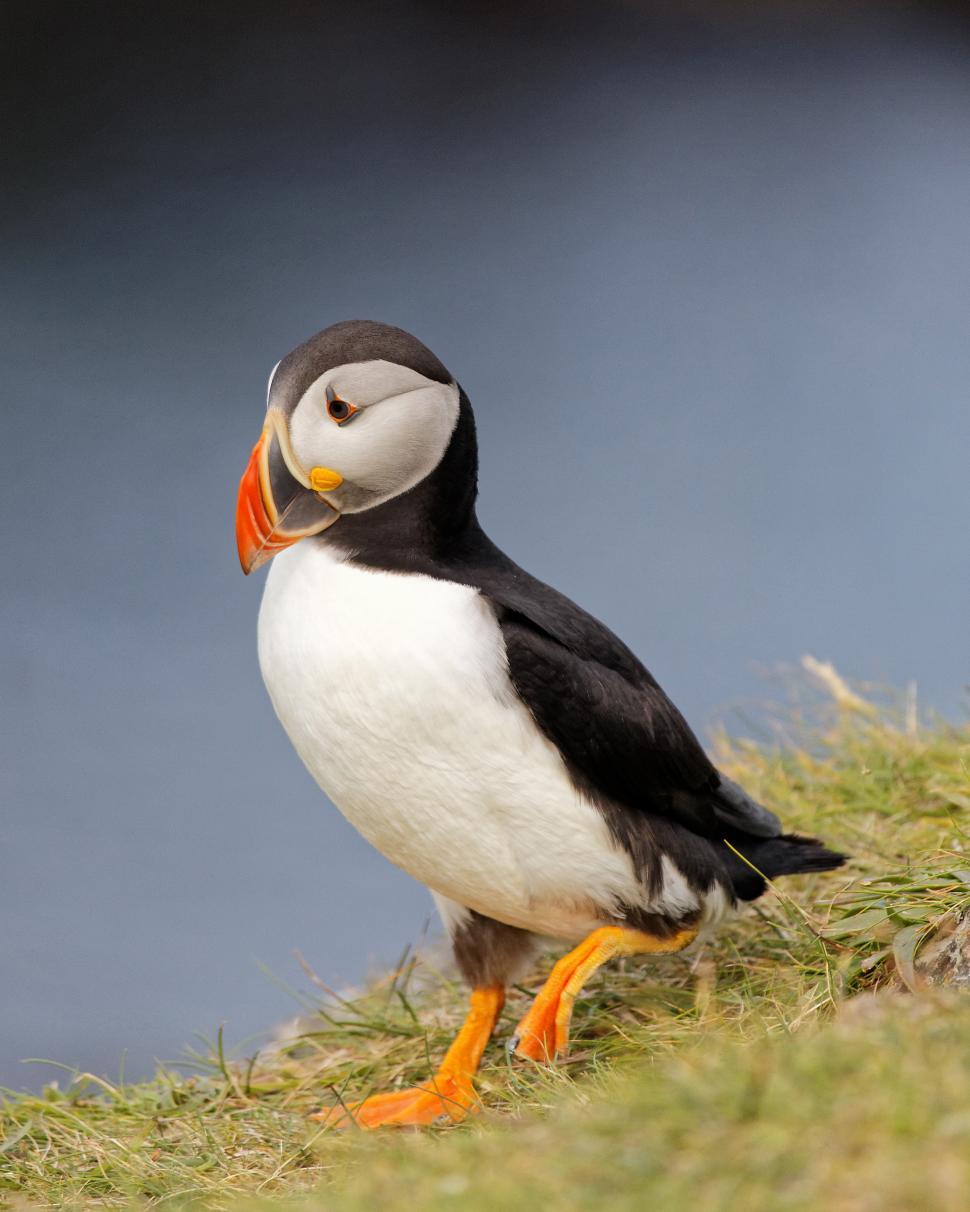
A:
{"points": [[432, 524]]}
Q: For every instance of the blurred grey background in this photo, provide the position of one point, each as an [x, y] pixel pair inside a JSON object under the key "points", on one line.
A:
{"points": [[704, 272]]}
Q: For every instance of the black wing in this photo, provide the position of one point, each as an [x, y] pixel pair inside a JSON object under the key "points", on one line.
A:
{"points": [[618, 733]]}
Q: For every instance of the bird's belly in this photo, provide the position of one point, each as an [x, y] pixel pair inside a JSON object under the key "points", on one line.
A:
{"points": [[395, 693]]}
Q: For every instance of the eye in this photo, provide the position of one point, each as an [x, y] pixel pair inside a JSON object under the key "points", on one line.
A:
{"points": [[339, 410]]}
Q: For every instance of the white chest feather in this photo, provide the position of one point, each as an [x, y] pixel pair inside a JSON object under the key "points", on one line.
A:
{"points": [[395, 693]]}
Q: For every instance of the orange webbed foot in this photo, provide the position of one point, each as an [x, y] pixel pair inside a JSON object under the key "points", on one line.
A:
{"points": [[543, 1034], [449, 1094], [446, 1096]]}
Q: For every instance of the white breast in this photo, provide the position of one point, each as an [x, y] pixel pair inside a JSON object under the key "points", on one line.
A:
{"points": [[395, 693]]}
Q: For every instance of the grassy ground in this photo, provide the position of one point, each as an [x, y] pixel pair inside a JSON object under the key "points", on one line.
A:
{"points": [[798, 1061]]}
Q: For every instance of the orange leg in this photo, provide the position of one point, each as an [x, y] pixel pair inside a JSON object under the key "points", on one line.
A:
{"points": [[450, 1092], [544, 1032]]}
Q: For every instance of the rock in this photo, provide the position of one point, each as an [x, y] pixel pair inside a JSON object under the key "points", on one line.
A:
{"points": [[945, 958]]}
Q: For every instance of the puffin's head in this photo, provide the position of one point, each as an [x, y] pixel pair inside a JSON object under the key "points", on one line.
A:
{"points": [[356, 416]]}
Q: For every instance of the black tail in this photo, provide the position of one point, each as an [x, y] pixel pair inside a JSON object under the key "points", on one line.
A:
{"points": [[787, 854]]}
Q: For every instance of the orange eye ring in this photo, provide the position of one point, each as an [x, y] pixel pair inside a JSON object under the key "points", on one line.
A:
{"points": [[339, 411]]}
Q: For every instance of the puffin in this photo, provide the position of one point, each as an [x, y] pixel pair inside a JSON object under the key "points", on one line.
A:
{"points": [[483, 732]]}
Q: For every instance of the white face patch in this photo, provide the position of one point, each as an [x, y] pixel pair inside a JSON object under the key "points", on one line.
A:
{"points": [[396, 439]]}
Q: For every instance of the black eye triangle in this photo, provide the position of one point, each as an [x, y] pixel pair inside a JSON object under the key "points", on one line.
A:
{"points": [[339, 410]]}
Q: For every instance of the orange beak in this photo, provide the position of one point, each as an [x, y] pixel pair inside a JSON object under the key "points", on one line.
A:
{"points": [[254, 527], [274, 510]]}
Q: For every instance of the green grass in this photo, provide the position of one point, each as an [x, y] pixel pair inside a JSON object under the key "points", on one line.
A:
{"points": [[798, 1061]]}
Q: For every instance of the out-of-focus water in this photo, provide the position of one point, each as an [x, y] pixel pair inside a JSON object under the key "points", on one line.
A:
{"points": [[707, 285]]}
